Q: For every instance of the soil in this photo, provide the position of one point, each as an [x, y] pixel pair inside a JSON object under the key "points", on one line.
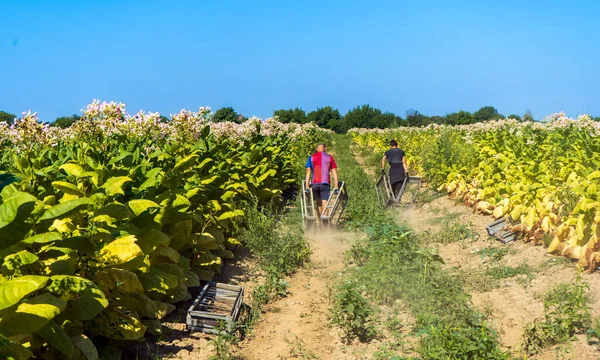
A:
{"points": [[517, 301], [298, 323]]}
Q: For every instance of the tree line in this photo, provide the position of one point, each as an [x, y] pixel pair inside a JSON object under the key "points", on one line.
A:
{"points": [[364, 116]]}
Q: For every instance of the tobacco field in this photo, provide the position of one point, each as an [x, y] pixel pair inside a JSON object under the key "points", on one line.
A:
{"points": [[105, 225], [543, 176]]}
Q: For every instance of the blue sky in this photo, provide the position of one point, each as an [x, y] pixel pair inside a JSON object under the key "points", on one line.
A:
{"points": [[258, 56]]}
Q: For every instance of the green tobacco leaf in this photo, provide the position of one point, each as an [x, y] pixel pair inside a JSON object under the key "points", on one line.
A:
{"points": [[64, 209], [31, 315], [92, 175], [216, 234], [15, 261], [57, 337], [204, 274], [86, 346], [72, 169], [145, 306], [181, 203], [139, 206], [120, 251], [151, 179], [43, 238], [186, 163], [124, 156], [230, 214], [264, 176], [9, 191], [162, 255], [153, 327], [12, 291], [227, 254], [10, 207], [67, 285], [206, 242], [164, 309], [14, 351], [158, 281], [209, 179], [79, 243], [116, 211], [67, 188], [594, 175], [204, 163], [118, 280], [117, 325], [178, 294], [86, 300], [150, 240], [86, 308], [192, 280], [114, 185], [181, 234]]}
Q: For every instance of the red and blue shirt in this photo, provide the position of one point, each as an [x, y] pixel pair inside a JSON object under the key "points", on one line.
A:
{"points": [[321, 163]]}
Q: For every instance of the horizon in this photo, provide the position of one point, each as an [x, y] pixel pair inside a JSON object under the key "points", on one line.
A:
{"points": [[433, 57]]}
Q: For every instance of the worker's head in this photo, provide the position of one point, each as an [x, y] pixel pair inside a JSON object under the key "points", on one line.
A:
{"points": [[321, 147], [393, 143]]}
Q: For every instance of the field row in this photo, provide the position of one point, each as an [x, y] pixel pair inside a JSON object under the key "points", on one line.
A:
{"points": [[107, 224], [544, 176]]}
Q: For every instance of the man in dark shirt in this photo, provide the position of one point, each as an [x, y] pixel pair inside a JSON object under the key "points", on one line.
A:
{"points": [[398, 168]]}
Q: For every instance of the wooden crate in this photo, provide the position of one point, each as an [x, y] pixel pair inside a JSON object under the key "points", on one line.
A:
{"points": [[216, 303]]}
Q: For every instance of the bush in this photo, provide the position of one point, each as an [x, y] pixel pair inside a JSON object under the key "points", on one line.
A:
{"points": [[352, 312], [566, 313]]}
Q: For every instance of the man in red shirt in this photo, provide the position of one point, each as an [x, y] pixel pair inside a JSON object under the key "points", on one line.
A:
{"points": [[321, 163]]}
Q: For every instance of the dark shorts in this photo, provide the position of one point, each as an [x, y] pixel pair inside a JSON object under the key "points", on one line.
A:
{"points": [[321, 191]]}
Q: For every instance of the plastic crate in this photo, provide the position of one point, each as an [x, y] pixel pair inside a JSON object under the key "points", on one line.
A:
{"points": [[217, 303]]}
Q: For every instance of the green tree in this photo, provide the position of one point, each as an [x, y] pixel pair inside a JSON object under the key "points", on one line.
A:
{"points": [[415, 118], [487, 113], [64, 122], [225, 114], [291, 115], [436, 119], [460, 118], [164, 119], [515, 116], [325, 117], [361, 117], [387, 120], [7, 117], [528, 116]]}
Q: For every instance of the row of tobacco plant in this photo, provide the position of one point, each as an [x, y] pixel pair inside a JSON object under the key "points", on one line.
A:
{"points": [[543, 176], [105, 225]]}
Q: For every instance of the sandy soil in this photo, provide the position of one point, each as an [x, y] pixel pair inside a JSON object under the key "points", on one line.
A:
{"points": [[514, 303], [297, 325]]}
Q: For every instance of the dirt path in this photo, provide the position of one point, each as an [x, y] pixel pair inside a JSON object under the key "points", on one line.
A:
{"points": [[515, 301], [297, 325]]}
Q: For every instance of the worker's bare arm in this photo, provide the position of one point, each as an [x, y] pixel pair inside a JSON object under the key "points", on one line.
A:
{"points": [[383, 162], [307, 178], [335, 178], [404, 164]]}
